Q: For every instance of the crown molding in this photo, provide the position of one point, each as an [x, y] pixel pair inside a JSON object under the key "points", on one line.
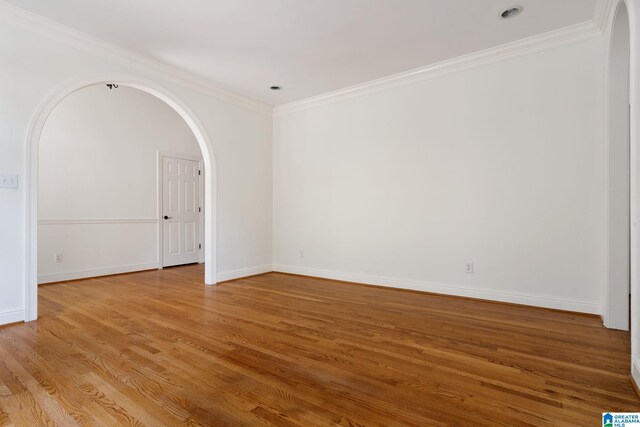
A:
{"points": [[530, 45], [20, 18], [604, 8], [28, 21]]}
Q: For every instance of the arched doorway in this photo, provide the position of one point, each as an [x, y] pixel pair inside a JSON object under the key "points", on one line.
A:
{"points": [[618, 11], [35, 132], [617, 309]]}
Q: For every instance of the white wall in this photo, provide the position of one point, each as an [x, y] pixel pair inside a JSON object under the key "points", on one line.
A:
{"points": [[33, 66], [98, 181], [500, 165]]}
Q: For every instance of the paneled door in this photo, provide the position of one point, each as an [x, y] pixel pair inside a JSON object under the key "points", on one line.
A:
{"points": [[180, 211]]}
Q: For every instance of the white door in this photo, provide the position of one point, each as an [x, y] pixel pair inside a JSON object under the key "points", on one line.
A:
{"points": [[180, 212]]}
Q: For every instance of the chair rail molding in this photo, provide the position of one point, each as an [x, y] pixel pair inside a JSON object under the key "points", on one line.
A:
{"points": [[98, 221]]}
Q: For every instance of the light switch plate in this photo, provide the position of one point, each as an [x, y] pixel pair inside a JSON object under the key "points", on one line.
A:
{"points": [[8, 181]]}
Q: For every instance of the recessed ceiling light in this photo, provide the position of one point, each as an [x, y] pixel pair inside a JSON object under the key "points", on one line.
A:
{"points": [[511, 12], [275, 87]]}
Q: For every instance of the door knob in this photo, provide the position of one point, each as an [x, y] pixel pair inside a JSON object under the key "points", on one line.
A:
{"points": [[167, 217]]}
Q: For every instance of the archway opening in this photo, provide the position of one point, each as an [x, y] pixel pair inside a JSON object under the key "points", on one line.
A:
{"points": [[198, 148], [617, 310]]}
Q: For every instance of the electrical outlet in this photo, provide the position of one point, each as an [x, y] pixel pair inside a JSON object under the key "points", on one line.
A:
{"points": [[59, 258], [8, 181], [468, 268]]}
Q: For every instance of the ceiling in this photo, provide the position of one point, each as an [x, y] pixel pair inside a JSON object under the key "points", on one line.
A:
{"points": [[309, 47]]}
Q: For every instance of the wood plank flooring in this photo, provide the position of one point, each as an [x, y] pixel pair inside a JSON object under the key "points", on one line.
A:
{"points": [[159, 348]]}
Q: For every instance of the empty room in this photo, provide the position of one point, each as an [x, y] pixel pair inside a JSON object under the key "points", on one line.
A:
{"points": [[320, 212]]}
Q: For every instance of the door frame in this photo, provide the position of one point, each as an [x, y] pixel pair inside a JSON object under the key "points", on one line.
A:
{"points": [[633, 12], [617, 305], [160, 188]]}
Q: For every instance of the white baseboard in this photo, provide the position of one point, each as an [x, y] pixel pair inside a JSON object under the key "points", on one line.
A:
{"points": [[83, 274], [11, 315], [74, 275], [244, 272], [536, 300], [635, 372]]}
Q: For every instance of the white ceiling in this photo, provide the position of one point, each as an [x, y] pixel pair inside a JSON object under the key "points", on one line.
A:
{"points": [[309, 47]]}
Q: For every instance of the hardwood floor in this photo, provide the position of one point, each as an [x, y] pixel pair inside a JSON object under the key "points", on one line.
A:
{"points": [[159, 348]]}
